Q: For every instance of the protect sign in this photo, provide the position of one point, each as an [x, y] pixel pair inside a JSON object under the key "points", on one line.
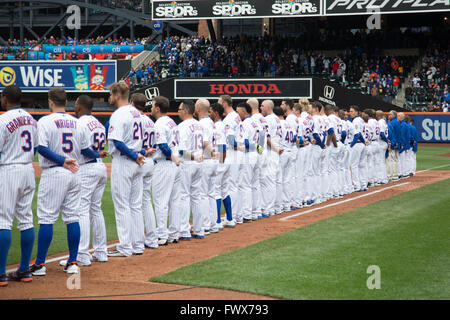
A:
{"points": [[72, 76], [432, 127]]}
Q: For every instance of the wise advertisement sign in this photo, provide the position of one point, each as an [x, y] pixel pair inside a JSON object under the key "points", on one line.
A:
{"points": [[432, 127], [71, 76]]}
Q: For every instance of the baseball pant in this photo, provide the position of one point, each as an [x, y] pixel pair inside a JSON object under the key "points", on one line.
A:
{"points": [[256, 189], [401, 163], [392, 165], [357, 156], [232, 160], [17, 185], [314, 177], [151, 237], [348, 185], [93, 179], [192, 197], [166, 185], [126, 190], [209, 172], [268, 184], [381, 162], [287, 175], [334, 170], [371, 149], [59, 191], [246, 176], [304, 167]]}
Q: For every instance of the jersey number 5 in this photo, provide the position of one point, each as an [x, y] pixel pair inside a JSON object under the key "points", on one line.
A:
{"points": [[67, 142]]}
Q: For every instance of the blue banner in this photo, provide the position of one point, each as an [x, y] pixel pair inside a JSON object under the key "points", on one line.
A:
{"points": [[72, 76], [432, 127], [94, 49]]}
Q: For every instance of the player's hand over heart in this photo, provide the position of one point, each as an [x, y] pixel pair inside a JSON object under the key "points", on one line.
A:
{"points": [[150, 151], [199, 157]]}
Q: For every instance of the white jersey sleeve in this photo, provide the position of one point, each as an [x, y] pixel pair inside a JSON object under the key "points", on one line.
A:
{"points": [[167, 132], [18, 137]]}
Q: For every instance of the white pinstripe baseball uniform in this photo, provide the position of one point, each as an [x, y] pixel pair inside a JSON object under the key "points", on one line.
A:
{"points": [[222, 178], [287, 142], [209, 172], [373, 132], [148, 141], [232, 121], [348, 156], [248, 132], [18, 138], [257, 186], [271, 181], [166, 181], [126, 180], [382, 147], [93, 179], [304, 163], [193, 191], [358, 156], [59, 189]]}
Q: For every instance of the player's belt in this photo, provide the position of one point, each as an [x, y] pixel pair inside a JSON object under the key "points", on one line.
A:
{"points": [[161, 160], [92, 161], [374, 140]]}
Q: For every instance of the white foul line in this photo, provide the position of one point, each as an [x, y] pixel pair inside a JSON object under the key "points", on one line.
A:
{"points": [[343, 201]]}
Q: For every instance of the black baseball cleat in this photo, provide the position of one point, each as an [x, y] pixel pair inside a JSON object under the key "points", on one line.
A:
{"points": [[22, 276], [3, 280], [247, 220]]}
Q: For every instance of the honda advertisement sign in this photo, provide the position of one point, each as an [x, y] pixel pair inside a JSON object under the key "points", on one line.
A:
{"points": [[266, 88], [214, 9], [348, 7]]}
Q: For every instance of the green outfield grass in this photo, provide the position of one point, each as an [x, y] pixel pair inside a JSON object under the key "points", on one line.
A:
{"points": [[406, 236], [427, 157]]}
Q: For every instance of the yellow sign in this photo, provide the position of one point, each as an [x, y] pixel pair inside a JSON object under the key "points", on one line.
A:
{"points": [[7, 76]]}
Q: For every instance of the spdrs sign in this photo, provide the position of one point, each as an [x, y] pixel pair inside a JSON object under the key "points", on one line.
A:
{"points": [[432, 127], [72, 76]]}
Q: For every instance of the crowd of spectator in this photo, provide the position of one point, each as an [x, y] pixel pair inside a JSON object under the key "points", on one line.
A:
{"points": [[430, 84], [15, 50], [135, 5], [266, 56]]}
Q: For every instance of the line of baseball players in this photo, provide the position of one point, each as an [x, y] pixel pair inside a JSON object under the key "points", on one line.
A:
{"points": [[256, 161]]}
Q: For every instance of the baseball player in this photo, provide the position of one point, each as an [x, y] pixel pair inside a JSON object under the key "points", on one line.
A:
{"points": [[325, 163], [18, 140], [248, 139], [346, 138], [93, 179], [222, 179], [166, 182], [209, 165], [304, 164], [288, 143], [382, 148], [232, 121], [138, 100], [403, 146], [271, 174], [257, 190], [125, 146], [336, 152], [414, 144], [61, 146], [317, 154], [193, 191], [358, 150], [290, 174], [373, 135], [394, 136]]}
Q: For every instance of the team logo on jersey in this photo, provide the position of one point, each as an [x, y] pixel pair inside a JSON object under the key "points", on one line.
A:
{"points": [[7, 76]]}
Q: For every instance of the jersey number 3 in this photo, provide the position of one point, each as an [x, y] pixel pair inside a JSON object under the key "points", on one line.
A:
{"points": [[28, 145]]}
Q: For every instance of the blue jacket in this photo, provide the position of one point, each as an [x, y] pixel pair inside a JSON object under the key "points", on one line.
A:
{"points": [[415, 137], [395, 133], [403, 140]]}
